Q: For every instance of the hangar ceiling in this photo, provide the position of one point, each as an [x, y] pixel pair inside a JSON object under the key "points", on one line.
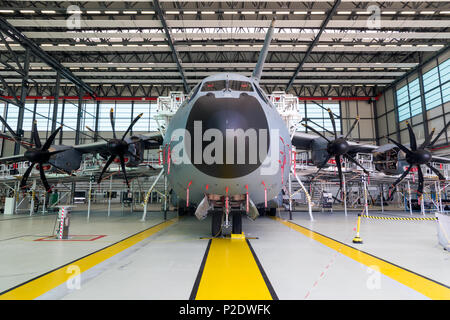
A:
{"points": [[144, 48]]}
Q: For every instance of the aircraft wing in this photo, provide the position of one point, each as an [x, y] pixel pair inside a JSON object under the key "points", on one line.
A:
{"points": [[361, 148], [440, 159], [12, 159], [95, 147], [303, 141], [151, 140]]}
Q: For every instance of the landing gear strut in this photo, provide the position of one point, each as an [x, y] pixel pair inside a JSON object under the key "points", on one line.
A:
{"points": [[216, 223], [237, 222]]}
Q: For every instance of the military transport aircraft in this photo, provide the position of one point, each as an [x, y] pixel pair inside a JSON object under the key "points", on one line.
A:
{"points": [[225, 151]]}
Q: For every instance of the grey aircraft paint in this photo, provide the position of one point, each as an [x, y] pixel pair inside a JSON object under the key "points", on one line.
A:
{"points": [[217, 179]]}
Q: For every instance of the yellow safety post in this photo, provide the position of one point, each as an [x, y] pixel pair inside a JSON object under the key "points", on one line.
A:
{"points": [[357, 239]]}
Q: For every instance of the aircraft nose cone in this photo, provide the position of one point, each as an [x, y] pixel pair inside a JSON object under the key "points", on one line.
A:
{"points": [[216, 123]]}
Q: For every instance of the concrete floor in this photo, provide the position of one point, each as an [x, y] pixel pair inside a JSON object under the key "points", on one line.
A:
{"points": [[165, 265]]}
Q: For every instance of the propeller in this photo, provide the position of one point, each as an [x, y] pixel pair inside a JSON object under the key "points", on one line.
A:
{"points": [[417, 156], [117, 148], [38, 154], [337, 147]]}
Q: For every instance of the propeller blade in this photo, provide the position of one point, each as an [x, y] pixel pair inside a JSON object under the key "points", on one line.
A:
{"points": [[321, 127], [315, 131], [427, 139], [420, 188], [23, 182], [402, 147], [320, 167], [330, 113], [439, 135], [124, 170], [110, 160], [35, 135], [338, 164], [50, 139], [412, 137], [14, 136], [131, 125], [436, 171], [44, 179], [111, 117], [352, 127], [392, 187], [87, 127], [348, 157]]}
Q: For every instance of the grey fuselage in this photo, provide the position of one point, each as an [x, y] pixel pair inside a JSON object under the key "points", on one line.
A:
{"points": [[207, 114]]}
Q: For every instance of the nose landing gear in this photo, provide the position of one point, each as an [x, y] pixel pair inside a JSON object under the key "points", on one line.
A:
{"points": [[217, 222]]}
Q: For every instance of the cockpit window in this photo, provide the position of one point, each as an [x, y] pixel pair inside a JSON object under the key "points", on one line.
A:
{"points": [[236, 85], [218, 85]]}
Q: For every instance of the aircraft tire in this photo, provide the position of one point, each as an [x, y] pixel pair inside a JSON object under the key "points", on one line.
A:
{"points": [[237, 222], [216, 223], [272, 212]]}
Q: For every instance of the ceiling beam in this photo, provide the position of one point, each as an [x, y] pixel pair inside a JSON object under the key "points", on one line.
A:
{"points": [[313, 43], [17, 36], [175, 55]]}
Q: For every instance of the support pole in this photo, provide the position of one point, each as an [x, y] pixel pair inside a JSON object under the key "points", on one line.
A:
{"points": [[290, 196], [132, 196], [409, 196], [441, 209], [33, 188], [89, 198], [422, 205], [308, 197], [344, 189], [366, 203], [382, 198], [109, 196], [45, 200], [165, 197], [144, 215]]}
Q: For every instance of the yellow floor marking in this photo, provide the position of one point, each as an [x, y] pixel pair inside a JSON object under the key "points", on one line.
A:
{"points": [[37, 287], [231, 273], [425, 286]]}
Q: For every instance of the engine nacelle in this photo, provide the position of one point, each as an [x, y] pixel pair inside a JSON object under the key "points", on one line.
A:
{"points": [[386, 160]]}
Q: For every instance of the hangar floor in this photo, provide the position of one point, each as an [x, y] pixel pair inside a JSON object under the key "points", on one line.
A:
{"points": [[121, 257]]}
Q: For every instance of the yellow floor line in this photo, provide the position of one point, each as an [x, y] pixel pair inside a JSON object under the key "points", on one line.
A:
{"points": [[414, 281], [231, 273], [44, 283]]}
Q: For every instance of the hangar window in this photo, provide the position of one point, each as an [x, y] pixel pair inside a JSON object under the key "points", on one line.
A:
{"points": [[240, 85], [317, 114], [409, 101], [218, 85], [436, 85]]}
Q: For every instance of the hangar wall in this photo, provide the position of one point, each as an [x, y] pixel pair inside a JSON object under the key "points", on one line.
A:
{"points": [[422, 98], [125, 111]]}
